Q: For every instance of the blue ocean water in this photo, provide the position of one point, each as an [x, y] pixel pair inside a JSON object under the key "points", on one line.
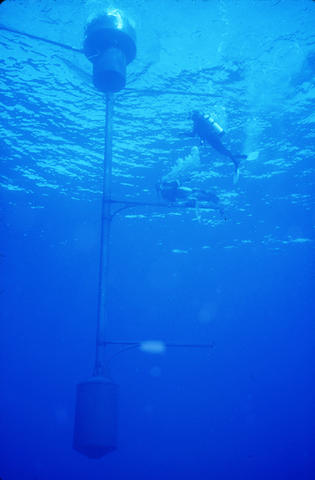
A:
{"points": [[242, 282]]}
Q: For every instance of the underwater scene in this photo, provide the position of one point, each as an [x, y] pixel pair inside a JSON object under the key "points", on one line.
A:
{"points": [[157, 239]]}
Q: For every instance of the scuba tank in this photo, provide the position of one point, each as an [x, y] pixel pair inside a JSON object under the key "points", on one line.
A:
{"points": [[217, 129]]}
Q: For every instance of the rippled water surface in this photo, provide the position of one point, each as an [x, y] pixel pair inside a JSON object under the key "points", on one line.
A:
{"points": [[253, 59]]}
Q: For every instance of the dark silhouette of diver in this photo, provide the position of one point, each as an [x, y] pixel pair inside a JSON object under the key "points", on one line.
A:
{"points": [[173, 191], [210, 132]]}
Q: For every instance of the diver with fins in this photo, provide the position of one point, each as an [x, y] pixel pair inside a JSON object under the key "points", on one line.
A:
{"points": [[172, 189], [210, 133], [174, 192]]}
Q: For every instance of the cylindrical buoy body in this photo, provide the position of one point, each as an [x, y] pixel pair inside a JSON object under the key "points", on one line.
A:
{"points": [[109, 70], [95, 428], [110, 44]]}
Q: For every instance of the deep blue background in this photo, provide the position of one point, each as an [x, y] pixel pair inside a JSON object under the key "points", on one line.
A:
{"points": [[243, 409]]}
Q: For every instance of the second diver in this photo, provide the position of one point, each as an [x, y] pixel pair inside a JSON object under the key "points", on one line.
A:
{"points": [[171, 187], [210, 133]]}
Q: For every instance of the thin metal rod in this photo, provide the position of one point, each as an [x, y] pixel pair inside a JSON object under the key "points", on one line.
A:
{"points": [[35, 37], [168, 345], [130, 203], [106, 218]]}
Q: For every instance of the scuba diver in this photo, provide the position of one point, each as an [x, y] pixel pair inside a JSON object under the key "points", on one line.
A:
{"points": [[210, 132], [173, 191]]}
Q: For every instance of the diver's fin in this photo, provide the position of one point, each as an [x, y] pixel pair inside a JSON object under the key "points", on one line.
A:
{"points": [[253, 156], [237, 160], [236, 175]]}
